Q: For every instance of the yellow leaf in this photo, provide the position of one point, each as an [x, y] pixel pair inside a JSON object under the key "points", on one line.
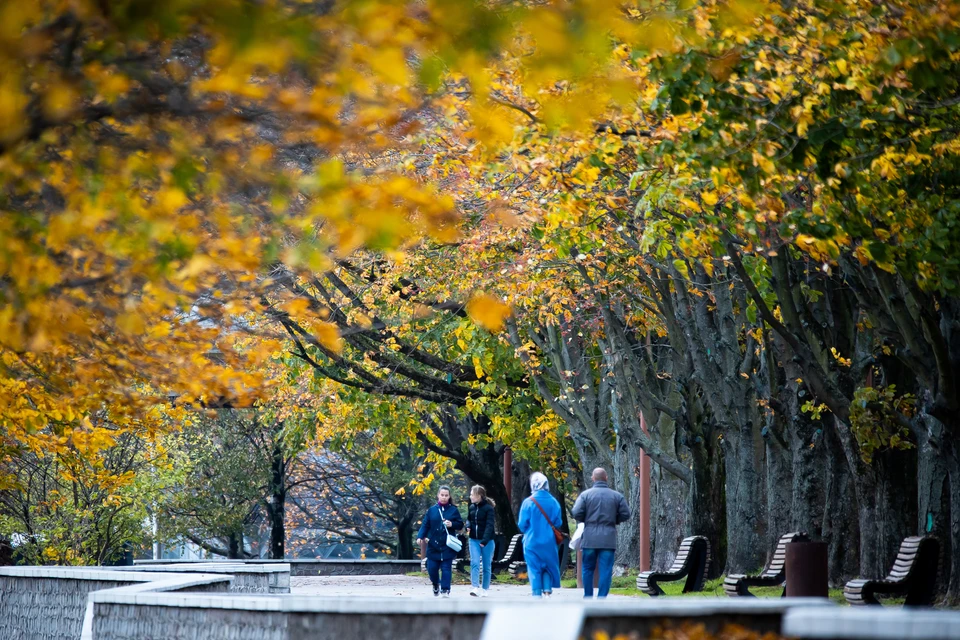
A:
{"points": [[476, 367], [328, 335], [390, 64], [60, 101], [488, 312]]}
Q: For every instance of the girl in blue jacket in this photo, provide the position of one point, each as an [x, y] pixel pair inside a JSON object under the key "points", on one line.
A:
{"points": [[540, 549], [439, 519]]}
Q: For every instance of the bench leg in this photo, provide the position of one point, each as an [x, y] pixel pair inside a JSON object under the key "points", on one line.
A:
{"points": [[652, 582]]}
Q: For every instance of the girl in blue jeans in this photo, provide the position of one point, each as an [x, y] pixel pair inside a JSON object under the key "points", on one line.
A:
{"points": [[480, 524]]}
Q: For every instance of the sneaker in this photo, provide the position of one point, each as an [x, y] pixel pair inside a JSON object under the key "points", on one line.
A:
{"points": [[445, 594], [484, 593], [475, 592], [436, 590], [547, 594]]}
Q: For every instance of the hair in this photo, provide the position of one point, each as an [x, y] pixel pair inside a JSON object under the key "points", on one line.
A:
{"points": [[482, 492], [442, 487], [599, 475]]}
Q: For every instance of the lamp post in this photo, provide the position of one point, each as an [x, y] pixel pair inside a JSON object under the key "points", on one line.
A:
{"points": [[644, 504]]}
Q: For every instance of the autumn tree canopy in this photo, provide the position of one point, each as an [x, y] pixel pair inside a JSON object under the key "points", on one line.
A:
{"points": [[482, 224]]}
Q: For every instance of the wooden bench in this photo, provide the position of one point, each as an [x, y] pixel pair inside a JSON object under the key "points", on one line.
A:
{"points": [[514, 553], [692, 562], [773, 575], [518, 569], [914, 574]]}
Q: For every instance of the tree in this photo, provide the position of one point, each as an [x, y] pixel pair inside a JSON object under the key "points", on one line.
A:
{"points": [[214, 486], [347, 495], [75, 510]]}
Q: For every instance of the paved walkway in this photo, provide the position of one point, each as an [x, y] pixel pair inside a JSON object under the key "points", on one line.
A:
{"points": [[411, 586]]}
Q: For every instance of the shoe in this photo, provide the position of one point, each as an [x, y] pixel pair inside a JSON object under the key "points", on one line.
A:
{"points": [[436, 590], [445, 594], [547, 594], [484, 593], [475, 592]]}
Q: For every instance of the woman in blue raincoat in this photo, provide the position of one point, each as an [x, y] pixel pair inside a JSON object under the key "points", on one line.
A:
{"points": [[539, 515]]}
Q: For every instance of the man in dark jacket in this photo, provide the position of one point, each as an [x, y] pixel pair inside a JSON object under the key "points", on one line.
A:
{"points": [[600, 509]]}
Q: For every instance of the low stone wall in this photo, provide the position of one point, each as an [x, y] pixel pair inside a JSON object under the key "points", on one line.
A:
{"points": [[637, 618], [123, 616], [126, 621], [872, 623], [37, 603], [338, 626], [309, 566], [756, 614], [247, 577], [38, 608]]}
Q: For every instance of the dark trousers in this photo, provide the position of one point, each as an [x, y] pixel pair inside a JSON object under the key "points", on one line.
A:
{"points": [[440, 571]]}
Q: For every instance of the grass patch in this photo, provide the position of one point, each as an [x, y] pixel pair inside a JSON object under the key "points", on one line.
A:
{"points": [[626, 585]]}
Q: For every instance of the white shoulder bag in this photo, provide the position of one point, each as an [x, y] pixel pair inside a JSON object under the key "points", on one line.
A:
{"points": [[577, 540], [452, 541]]}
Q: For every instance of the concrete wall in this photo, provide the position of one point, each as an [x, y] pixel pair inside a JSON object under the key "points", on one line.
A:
{"points": [[309, 566], [127, 622], [46, 603], [336, 626], [247, 578], [42, 609]]}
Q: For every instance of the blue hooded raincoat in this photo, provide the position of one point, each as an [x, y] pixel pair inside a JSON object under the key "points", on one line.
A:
{"points": [[539, 546]]}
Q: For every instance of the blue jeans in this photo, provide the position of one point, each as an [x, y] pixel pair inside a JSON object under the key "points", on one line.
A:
{"points": [[592, 558], [440, 572], [476, 554]]}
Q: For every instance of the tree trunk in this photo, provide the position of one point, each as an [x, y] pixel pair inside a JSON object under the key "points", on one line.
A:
{"points": [[520, 484], [938, 500], [808, 459], [707, 509], [841, 525], [626, 480], [669, 514], [405, 538], [276, 507], [746, 512], [780, 489], [669, 494], [896, 502], [950, 545], [235, 546]]}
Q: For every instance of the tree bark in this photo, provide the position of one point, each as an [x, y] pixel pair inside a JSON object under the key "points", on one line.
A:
{"points": [[276, 506], [405, 538], [707, 509]]}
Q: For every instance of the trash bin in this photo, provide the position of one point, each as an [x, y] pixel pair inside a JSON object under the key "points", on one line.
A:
{"points": [[806, 569]]}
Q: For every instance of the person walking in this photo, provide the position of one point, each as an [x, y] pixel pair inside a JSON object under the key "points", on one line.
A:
{"points": [[601, 509], [480, 524], [441, 519], [539, 519]]}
